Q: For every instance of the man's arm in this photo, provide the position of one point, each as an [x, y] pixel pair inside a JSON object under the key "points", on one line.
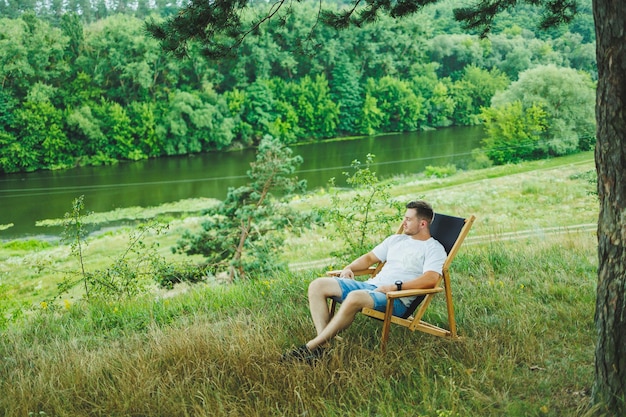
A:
{"points": [[359, 264], [426, 280]]}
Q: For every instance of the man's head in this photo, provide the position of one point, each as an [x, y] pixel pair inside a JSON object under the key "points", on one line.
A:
{"points": [[423, 210], [417, 219]]}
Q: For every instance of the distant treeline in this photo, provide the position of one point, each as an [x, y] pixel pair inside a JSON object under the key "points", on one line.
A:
{"points": [[82, 82]]}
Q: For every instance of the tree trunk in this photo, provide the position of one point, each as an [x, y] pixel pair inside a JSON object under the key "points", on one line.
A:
{"points": [[610, 318]]}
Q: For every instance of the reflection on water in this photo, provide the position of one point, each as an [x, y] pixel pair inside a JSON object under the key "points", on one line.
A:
{"points": [[29, 197]]}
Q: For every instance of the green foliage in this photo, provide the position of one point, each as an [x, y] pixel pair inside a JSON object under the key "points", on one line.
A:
{"points": [[366, 218], [75, 234], [513, 133], [440, 171], [371, 117], [170, 274], [11, 310], [317, 113], [548, 111], [26, 245], [568, 98], [106, 91], [347, 93], [400, 108], [473, 91], [128, 275], [243, 234]]}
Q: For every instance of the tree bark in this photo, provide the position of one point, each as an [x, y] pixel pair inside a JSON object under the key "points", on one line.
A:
{"points": [[610, 317]]}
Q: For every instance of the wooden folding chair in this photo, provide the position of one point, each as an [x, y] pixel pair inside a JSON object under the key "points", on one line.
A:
{"points": [[450, 232]]}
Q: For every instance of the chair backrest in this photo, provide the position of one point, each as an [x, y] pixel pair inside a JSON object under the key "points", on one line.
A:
{"points": [[446, 229]]}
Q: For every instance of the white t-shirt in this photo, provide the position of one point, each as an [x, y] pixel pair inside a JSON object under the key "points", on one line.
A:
{"points": [[407, 258]]}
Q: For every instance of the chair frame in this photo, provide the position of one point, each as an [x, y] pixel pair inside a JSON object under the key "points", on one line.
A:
{"points": [[415, 321]]}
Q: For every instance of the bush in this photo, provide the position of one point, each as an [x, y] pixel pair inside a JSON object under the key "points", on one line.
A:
{"points": [[440, 171]]}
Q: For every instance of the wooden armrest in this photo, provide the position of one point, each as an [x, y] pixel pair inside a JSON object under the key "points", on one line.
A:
{"points": [[410, 293], [336, 272]]}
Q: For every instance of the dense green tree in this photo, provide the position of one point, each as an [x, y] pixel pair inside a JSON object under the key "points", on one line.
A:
{"points": [[7, 106], [12, 153], [514, 133], [42, 141], [121, 59], [402, 110], [259, 108], [117, 132], [144, 127], [567, 97], [577, 54], [439, 101], [474, 91], [347, 92], [371, 116], [84, 129], [276, 85], [243, 234], [317, 113], [30, 51], [455, 52], [196, 122]]}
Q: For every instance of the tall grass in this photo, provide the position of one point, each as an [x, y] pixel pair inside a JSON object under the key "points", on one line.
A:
{"points": [[524, 309], [524, 298]]}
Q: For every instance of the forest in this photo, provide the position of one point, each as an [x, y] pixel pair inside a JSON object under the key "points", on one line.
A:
{"points": [[83, 83]]}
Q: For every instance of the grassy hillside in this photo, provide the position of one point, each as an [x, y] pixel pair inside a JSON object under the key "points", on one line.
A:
{"points": [[524, 290]]}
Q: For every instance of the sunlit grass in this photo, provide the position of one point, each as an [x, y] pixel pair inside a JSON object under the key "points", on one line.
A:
{"points": [[524, 309], [524, 292]]}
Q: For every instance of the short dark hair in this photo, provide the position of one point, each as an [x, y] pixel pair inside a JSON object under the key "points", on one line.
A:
{"points": [[423, 209]]}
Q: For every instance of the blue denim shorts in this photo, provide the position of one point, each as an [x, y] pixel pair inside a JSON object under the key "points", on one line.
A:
{"points": [[380, 299]]}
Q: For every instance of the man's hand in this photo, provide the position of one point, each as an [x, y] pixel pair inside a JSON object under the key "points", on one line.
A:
{"points": [[386, 288], [346, 273]]}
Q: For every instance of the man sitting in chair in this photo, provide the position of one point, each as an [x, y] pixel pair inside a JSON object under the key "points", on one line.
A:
{"points": [[413, 260]]}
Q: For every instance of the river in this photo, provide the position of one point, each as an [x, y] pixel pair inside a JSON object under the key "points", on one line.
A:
{"points": [[26, 198]]}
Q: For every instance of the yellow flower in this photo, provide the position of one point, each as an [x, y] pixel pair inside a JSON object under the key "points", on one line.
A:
{"points": [[44, 305], [67, 304], [544, 409]]}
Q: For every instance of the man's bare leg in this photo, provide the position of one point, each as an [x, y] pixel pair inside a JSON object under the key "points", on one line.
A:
{"points": [[343, 318], [319, 291]]}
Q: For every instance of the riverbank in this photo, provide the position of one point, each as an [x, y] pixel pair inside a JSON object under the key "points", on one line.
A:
{"points": [[152, 183], [522, 198]]}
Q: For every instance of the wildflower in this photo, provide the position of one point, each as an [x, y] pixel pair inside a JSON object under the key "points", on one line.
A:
{"points": [[544, 409], [67, 304], [44, 305]]}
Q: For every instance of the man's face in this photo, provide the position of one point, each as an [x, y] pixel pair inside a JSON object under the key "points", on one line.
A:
{"points": [[411, 224]]}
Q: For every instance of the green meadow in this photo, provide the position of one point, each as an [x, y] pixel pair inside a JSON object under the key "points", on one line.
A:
{"points": [[523, 285]]}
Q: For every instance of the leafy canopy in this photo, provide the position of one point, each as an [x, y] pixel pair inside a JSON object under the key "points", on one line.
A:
{"points": [[221, 25]]}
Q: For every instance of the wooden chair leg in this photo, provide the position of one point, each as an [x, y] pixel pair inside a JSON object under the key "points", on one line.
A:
{"points": [[450, 307], [386, 325], [332, 308]]}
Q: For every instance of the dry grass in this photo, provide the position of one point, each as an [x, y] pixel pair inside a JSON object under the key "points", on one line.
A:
{"points": [[524, 308]]}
